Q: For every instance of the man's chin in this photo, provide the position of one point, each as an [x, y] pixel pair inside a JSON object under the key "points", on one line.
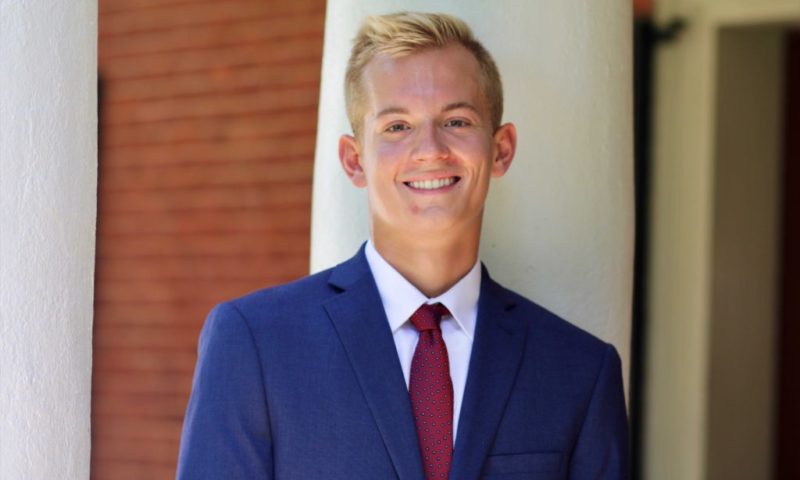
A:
{"points": [[435, 226]]}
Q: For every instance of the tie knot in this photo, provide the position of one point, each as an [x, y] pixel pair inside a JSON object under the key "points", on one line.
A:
{"points": [[427, 317]]}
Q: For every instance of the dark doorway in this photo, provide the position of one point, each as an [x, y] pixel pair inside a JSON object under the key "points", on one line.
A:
{"points": [[788, 466]]}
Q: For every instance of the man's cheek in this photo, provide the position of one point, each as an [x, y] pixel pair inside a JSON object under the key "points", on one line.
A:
{"points": [[388, 151]]}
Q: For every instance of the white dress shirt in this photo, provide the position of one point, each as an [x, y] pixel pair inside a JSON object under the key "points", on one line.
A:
{"points": [[401, 299]]}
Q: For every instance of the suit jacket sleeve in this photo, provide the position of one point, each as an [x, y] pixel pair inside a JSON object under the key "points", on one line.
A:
{"points": [[226, 429], [602, 448]]}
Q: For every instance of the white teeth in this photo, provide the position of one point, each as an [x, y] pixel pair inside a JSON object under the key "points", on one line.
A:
{"points": [[432, 184]]}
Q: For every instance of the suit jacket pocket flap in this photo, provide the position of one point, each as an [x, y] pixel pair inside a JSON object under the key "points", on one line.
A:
{"points": [[522, 463]]}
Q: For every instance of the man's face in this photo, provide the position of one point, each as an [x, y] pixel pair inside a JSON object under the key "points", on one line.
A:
{"points": [[427, 146]]}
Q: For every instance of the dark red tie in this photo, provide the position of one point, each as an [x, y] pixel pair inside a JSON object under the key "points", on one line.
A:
{"points": [[431, 391]]}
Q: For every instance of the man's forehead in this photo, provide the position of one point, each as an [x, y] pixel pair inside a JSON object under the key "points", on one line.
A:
{"points": [[445, 76], [390, 64]]}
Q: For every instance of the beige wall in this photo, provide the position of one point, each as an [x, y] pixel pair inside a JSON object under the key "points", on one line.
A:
{"points": [[711, 287]]}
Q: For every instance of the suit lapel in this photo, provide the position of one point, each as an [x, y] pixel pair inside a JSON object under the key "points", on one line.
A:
{"points": [[496, 354], [360, 321]]}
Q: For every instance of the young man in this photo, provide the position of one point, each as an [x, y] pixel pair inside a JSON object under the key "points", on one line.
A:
{"points": [[407, 361]]}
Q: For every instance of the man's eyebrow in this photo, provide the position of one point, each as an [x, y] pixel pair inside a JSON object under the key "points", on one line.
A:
{"points": [[460, 105], [391, 111], [447, 108]]}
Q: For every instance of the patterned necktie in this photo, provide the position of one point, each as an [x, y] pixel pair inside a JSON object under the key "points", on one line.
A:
{"points": [[431, 392]]}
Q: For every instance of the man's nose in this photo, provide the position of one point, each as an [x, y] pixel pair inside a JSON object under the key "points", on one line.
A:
{"points": [[430, 144]]}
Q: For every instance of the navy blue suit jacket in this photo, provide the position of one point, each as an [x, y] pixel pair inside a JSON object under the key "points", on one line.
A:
{"points": [[303, 381]]}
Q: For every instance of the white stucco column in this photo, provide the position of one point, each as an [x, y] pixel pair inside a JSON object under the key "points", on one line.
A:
{"points": [[559, 227], [48, 183]]}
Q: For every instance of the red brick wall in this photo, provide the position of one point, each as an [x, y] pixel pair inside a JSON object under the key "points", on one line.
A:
{"points": [[208, 123]]}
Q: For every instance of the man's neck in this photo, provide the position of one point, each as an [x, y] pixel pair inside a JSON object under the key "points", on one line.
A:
{"points": [[432, 267]]}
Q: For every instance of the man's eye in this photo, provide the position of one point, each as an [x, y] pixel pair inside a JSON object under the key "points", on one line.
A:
{"points": [[457, 122], [397, 127]]}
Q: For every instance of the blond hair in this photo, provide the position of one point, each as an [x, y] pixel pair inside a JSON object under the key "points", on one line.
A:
{"points": [[405, 33]]}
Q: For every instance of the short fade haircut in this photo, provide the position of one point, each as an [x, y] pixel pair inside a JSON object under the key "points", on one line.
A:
{"points": [[405, 33]]}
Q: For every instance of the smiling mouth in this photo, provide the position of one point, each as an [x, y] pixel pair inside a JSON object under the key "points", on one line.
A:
{"points": [[433, 184]]}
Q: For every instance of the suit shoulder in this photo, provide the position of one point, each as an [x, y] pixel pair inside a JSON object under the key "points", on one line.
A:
{"points": [[282, 300], [551, 331]]}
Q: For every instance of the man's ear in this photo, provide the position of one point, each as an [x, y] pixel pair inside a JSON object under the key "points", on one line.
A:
{"points": [[505, 144], [350, 158]]}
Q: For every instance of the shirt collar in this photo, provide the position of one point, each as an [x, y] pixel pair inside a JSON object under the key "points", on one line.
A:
{"points": [[401, 299]]}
